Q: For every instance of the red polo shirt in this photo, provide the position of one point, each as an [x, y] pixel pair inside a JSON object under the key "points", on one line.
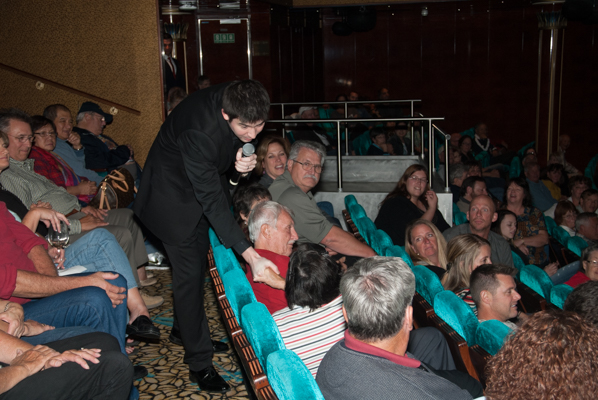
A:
{"points": [[273, 298]]}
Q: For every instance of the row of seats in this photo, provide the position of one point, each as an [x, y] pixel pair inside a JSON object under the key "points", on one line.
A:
{"points": [[286, 374]]}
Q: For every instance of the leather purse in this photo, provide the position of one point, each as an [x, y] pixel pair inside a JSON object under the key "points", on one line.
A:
{"points": [[117, 190]]}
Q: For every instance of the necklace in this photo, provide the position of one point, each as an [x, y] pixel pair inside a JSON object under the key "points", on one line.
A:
{"points": [[484, 148]]}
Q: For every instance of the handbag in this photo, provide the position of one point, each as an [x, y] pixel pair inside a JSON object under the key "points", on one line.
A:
{"points": [[117, 190]]}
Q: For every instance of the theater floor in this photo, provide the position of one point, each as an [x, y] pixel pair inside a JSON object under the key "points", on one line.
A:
{"points": [[168, 377]]}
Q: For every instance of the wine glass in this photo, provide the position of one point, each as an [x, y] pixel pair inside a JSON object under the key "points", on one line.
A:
{"points": [[59, 238]]}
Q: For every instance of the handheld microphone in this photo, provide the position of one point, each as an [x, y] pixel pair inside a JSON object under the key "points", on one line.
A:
{"points": [[248, 150]]}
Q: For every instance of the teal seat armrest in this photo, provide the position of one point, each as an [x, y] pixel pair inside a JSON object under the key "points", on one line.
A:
{"points": [[491, 335], [261, 331], [559, 294], [238, 291], [289, 377]]}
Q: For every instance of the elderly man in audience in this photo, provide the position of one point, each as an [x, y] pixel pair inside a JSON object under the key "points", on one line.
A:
{"points": [[541, 196], [457, 174], [30, 188], [372, 362], [586, 226], [494, 293], [481, 214], [293, 190], [310, 130], [471, 188], [272, 231], [101, 152], [68, 143]]}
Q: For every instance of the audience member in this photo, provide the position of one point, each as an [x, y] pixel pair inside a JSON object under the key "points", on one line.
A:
{"points": [[401, 144], [565, 215], [457, 174], [175, 96], [246, 197], [589, 267], [577, 185], [465, 144], [551, 356], [203, 82], [411, 199], [173, 74], [553, 181], [293, 190], [379, 147], [272, 231], [464, 254], [583, 301], [272, 154], [310, 130], [588, 202], [426, 246], [68, 143], [471, 187], [586, 226], [494, 293], [529, 156], [386, 110], [481, 142], [564, 143], [377, 294], [541, 196], [481, 215]]}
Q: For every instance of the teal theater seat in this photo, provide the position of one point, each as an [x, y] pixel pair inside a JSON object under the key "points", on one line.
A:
{"points": [[550, 225], [362, 143], [483, 158], [522, 150], [261, 331], [427, 283], [590, 169], [537, 280], [576, 244], [491, 335], [289, 377], [350, 200], [367, 229], [225, 260], [238, 291], [517, 261], [559, 294], [214, 240], [515, 170], [399, 251], [357, 211], [457, 314], [381, 242], [560, 234]]}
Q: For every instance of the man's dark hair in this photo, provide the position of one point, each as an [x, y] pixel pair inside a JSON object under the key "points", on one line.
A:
{"points": [[584, 301], [313, 278], [587, 193], [51, 111], [244, 197], [469, 182], [376, 131], [39, 121], [472, 163], [247, 100], [484, 278], [574, 180], [166, 36], [522, 183], [555, 167], [8, 114]]}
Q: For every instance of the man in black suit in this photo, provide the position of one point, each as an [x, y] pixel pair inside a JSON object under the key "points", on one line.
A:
{"points": [[184, 189], [173, 74]]}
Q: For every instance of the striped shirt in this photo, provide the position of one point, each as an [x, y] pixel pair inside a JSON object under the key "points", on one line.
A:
{"points": [[311, 334], [30, 187]]}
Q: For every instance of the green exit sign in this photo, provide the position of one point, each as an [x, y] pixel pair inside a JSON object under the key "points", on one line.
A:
{"points": [[220, 38]]}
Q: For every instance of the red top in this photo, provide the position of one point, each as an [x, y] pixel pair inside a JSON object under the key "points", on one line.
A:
{"points": [[362, 347], [16, 241], [577, 279], [273, 298]]}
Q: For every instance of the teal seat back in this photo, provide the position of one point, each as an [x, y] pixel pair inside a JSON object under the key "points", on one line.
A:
{"points": [[381, 242], [225, 260], [560, 234], [362, 143], [457, 314], [238, 291], [522, 150], [491, 335], [357, 211], [289, 377], [590, 169], [470, 132], [483, 158], [537, 280], [399, 251], [550, 225], [261, 331], [559, 294], [427, 283], [515, 170], [460, 218], [517, 261], [350, 200], [367, 229], [214, 240], [576, 244]]}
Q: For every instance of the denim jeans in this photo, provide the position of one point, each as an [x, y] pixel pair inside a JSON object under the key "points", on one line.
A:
{"points": [[86, 306], [98, 250]]}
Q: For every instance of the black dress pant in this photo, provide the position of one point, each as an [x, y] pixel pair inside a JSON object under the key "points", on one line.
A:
{"points": [[189, 262], [111, 379]]}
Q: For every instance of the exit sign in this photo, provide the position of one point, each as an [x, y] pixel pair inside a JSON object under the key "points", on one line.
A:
{"points": [[220, 38]]}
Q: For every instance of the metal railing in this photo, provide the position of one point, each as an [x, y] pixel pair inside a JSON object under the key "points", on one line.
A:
{"points": [[339, 121]]}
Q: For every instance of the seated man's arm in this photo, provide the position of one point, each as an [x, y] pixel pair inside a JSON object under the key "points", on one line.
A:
{"points": [[42, 261], [344, 243]]}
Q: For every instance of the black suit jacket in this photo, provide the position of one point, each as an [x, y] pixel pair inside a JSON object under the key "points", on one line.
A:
{"points": [[169, 80], [184, 176]]}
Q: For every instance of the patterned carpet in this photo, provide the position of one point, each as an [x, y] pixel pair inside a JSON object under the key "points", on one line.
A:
{"points": [[168, 376]]}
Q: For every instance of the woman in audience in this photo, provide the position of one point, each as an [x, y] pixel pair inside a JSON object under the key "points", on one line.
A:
{"points": [[245, 198], [272, 154], [531, 228], [589, 267], [554, 355], [465, 148], [410, 200], [553, 180], [464, 254], [565, 215], [52, 166], [426, 246]]}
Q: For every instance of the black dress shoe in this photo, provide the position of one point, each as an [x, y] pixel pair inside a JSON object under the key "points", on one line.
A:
{"points": [[143, 329], [139, 371], [209, 380], [217, 346]]}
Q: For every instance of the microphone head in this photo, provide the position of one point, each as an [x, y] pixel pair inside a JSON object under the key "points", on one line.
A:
{"points": [[248, 149]]}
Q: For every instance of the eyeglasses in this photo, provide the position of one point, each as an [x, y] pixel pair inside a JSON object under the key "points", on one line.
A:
{"points": [[533, 153], [23, 139], [45, 134], [307, 166], [415, 179], [100, 117]]}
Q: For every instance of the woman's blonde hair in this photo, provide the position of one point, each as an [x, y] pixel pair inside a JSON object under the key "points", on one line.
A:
{"points": [[440, 241], [262, 151], [462, 250]]}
